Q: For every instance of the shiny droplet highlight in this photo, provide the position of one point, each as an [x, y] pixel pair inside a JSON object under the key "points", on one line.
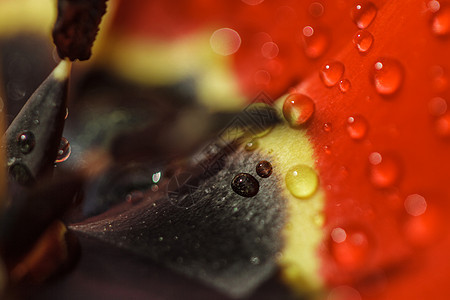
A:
{"points": [[298, 109], [387, 76], [357, 127], [26, 142], [245, 185], [315, 41], [415, 205], [350, 248], [384, 170], [344, 85], [301, 181], [363, 41], [63, 151], [440, 23], [363, 14], [331, 73], [264, 169]]}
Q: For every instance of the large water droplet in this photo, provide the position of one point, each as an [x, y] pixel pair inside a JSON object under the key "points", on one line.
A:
{"points": [[363, 14], [384, 170], [264, 169], [331, 73], [245, 185], [315, 42], [298, 109], [363, 40], [26, 141], [440, 24], [63, 151], [415, 205], [302, 181], [350, 248], [387, 76], [225, 41], [357, 127]]}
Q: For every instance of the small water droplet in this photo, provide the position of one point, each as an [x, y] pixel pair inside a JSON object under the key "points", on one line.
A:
{"points": [[254, 260], [251, 145], [298, 109], [440, 23], [21, 174], [327, 149], [415, 205], [264, 169], [134, 197], [384, 170], [442, 125], [344, 292], [26, 141], [363, 40], [357, 127], [262, 77], [301, 181], [269, 50], [245, 185], [316, 9], [439, 79], [315, 41], [327, 127], [363, 14], [350, 248], [225, 41], [425, 228], [387, 76], [63, 151], [433, 6], [345, 85], [331, 73], [437, 106], [156, 177]]}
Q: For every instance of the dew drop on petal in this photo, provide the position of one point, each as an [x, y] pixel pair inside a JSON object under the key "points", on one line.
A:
{"points": [[437, 106], [424, 229], [225, 41], [327, 127], [442, 126], [26, 141], [344, 292], [269, 50], [327, 149], [384, 170], [316, 9], [298, 109], [331, 73], [350, 248], [301, 181], [251, 145], [262, 77], [63, 151], [433, 6], [363, 14], [357, 127], [439, 80], [344, 85], [387, 76], [134, 197], [315, 42], [245, 185], [415, 205], [264, 169], [440, 24], [363, 40]]}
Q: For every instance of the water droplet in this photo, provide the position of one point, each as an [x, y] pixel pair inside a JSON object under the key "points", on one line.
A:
{"points": [[245, 185], [387, 76], [384, 170], [134, 197], [316, 9], [327, 127], [225, 41], [344, 292], [262, 77], [16, 90], [254, 260], [345, 85], [269, 50], [264, 169], [415, 205], [437, 106], [302, 181], [327, 149], [440, 24], [67, 114], [21, 174], [439, 79], [433, 6], [331, 73], [63, 151], [363, 40], [350, 248], [442, 126], [253, 2], [26, 141], [298, 109], [156, 177], [315, 42], [251, 145], [363, 14], [425, 228], [357, 127]]}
